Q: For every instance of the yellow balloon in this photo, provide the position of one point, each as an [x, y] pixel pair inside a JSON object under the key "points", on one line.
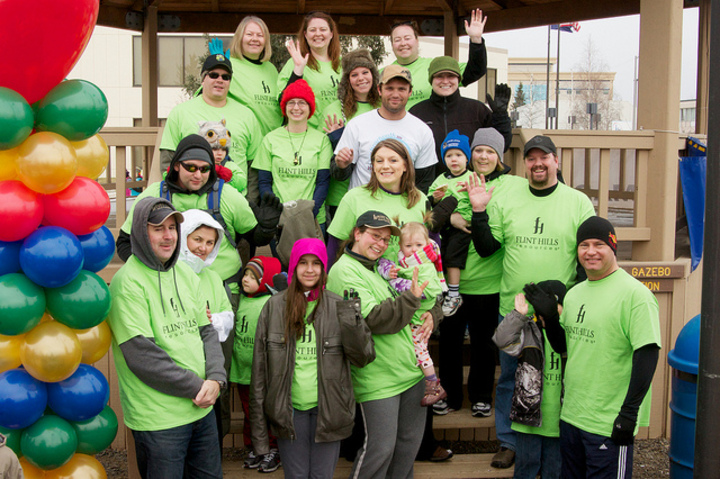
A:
{"points": [[80, 466], [95, 342], [10, 347], [30, 471], [46, 162], [8, 164], [51, 352], [92, 156], [46, 317]]}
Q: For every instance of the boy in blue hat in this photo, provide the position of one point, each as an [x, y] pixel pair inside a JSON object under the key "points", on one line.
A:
{"points": [[455, 151]]}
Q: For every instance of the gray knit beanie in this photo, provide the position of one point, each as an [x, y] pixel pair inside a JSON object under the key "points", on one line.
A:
{"points": [[352, 60], [489, 137]]}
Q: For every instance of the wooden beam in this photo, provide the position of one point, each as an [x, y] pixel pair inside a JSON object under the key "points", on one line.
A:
{"points": [[452, 41], [387, 6], [446, 5], [703, 69], [301, 7], [215, 6], [150, 69]]}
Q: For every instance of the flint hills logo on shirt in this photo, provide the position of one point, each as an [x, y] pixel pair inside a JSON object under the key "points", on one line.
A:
{"points": [[580, 332], [538, 238], [180, 328]]}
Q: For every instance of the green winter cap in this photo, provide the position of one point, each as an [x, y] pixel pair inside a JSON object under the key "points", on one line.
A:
{"points": [[443, 64]]}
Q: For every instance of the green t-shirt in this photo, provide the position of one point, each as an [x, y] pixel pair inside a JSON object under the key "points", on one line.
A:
{"points": [[426, 272], [240, 121], [421, 84], [212, 291], [255, 86], [464, 207], [323, 81], [234, 209], [605, 321], [294, 180], [539, 237], [359, 200], [304, 392], [395, 368], [247, 318], [483, 275], [551, 392], [339, 188], [146, 303]]}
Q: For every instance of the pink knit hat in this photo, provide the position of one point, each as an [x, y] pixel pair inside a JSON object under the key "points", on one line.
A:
{"points": [[306, 246]]}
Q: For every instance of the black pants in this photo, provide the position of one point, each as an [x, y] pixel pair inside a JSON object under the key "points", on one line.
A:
{"points": [[479, 313]]}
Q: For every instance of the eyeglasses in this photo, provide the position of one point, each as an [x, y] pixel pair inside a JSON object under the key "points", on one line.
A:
{"points": [[193, 168], [225, 76], [298, 103], [379, 239]]}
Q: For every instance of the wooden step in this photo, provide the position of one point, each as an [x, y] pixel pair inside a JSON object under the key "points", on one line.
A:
{"points": [[461, 466]]}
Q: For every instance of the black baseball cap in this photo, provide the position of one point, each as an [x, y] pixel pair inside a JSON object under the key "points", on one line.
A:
{"points": [[217, 61], [376, 220], [160, 212], [541, 142]]}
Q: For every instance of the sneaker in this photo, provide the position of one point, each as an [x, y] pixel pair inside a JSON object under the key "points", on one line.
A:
{"points": [[433, 393], [451, 305], [481, 409], [270, 461], [252, 461], [441, 454], [441, 408], [503, 459]]}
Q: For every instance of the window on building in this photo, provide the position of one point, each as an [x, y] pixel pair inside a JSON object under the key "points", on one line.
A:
{"points": [[178, 57]]}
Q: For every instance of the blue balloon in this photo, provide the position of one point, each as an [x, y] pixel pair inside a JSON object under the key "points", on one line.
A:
{"points": [[51, 256], [22, 399], [98, 249], [9, 257], [79, 397]]}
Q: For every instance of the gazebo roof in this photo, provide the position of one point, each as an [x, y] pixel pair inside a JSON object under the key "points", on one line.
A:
{"points": [[357, 17]]}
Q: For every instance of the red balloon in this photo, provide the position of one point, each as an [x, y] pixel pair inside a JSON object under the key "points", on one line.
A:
{"points": [[21, 210], [82, 207], [53, 32]]}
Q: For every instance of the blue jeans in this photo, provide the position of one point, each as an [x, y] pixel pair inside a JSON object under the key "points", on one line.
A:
{"points": [[535, 454], [185, 451], [503, 399]]}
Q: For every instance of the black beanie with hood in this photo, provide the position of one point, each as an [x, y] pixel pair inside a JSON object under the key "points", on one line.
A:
{"points": [[191, 142]]}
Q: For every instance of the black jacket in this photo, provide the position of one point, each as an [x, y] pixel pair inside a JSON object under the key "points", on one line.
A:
{"points": [[455, 112]]}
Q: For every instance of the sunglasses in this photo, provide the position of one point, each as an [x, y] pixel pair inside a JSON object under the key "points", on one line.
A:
{"points": [[215, 75], [193, 168]]}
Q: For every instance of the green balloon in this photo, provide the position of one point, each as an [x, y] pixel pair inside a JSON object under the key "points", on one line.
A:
{"points": [[97, 433], [22, 304], [49, 443], [81, 304], [12, 439], [16, 119], [75, 109]]}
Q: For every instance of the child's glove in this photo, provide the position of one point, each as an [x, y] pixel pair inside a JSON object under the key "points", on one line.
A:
{"points": [[223, 173], [545, 304]]}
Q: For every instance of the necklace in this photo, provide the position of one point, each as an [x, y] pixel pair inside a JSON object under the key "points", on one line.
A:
{"points": [[297, 160]]}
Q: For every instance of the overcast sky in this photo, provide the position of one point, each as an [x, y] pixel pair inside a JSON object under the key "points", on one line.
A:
{"points": [[617, 41]]}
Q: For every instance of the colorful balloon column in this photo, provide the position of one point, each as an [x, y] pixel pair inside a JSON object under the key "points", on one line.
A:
{"points": [[53, 404]]}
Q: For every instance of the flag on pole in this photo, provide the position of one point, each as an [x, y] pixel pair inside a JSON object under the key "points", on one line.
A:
{"points": [[567, 27]]}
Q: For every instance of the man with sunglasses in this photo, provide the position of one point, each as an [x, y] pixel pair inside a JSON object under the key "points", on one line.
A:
{"points": [[211, 103]]}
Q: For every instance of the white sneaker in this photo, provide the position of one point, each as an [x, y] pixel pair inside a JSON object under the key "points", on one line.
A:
{"points": [[451, 305], [481, 409]]}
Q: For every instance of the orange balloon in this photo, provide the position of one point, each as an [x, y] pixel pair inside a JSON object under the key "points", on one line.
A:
{"points": [[30, 471], [51, 352], [95, 342], [80, 466], [8, 164], [10, 347], [46, 162], [92, 156]]}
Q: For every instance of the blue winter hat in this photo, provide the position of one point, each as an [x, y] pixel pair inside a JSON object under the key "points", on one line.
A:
{"points": [[457, 141]]}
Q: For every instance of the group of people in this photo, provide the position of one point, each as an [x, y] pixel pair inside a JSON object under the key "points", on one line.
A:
{"points": [[332, 342]]}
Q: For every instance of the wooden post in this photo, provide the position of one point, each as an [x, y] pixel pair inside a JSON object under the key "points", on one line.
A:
{"points": [[703, 69], [452, 41], [150, 68], [658, 109]]}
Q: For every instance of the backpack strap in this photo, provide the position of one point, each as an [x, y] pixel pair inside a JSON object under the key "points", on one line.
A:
{"points": [[214, 196]]}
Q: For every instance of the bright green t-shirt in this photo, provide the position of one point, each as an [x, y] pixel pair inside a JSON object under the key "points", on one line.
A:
{"points": [[421, 84], [359, 200], [234, 209], [294, 179], [464, 207], [551, 392], [605, 322], [395, 368], [245, 326], [255, 86], [339, 188], [323, 81], [426, 272], [539, 237], [240, 121], [304, 392], [212, 291], [483, 275], [146, 303]]}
